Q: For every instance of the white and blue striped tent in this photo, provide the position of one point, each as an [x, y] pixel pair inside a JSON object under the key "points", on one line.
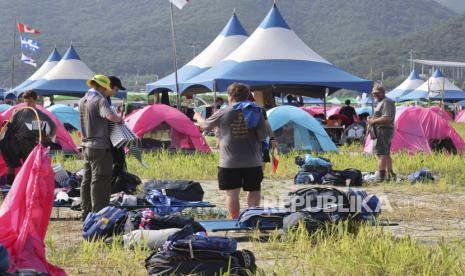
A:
{"points": [[275, 55], [411, 83], [51, 61], [437, 87], [232, 35], [68, 77]]}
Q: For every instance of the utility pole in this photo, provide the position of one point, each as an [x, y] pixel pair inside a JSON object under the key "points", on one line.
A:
{"points": [[411, 60]]}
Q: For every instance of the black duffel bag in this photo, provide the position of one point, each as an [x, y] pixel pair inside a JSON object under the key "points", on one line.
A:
{"points": [[180, 189], [353, 177]]}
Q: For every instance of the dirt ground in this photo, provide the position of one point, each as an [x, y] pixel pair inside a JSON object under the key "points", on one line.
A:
{"points": [[428, 214]]}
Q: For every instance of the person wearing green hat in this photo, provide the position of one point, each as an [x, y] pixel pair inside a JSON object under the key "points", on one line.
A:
{"points": [[96, 114]]}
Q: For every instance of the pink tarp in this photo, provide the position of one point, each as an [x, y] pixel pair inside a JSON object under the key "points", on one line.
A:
{"points": [[416, 127], [441, 112], [184, 134], [25, 213], [316, 110], [460, 117], [62, 136]]}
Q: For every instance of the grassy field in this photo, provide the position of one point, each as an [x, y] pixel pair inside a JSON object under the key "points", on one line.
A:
{"points": [[429, 241]]}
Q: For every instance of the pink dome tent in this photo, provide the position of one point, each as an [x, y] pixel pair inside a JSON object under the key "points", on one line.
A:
{"points": [[184, 134], [441, 112], [460, 117], [62, 136], [416, 127], [317, 110]]}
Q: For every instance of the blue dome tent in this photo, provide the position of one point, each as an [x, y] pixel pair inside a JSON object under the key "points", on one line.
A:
{"points": [[411, 83], [299, 130], [4, 107], [275, 56], [66, 115], [232, 35]]}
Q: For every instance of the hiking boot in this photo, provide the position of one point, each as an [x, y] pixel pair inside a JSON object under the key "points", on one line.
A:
{"points": [[392, 175]]}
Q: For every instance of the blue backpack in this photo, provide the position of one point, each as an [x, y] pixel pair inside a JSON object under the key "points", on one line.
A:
{"points": [[423, 175], [103, 224]]}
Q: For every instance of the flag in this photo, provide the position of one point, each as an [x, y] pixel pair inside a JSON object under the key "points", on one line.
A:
{"points": [[179, 3], [29, 44], [28, 60], [23, 28]]}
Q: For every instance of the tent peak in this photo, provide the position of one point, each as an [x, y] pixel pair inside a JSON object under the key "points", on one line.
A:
{"points": [[274, 19], [54, 56], [414, 75], [233, 27], [438, 74], [71, 54]]}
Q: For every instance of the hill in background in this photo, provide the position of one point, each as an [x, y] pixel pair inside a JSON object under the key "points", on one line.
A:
{"points": [[454, 5], [133, 37]]}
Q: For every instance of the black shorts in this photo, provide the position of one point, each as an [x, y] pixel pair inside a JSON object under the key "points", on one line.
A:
{"points": [[250, 179], [266, 156]]}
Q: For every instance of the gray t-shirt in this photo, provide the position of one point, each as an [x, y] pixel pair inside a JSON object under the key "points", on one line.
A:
{"points": [[94, 109], [386, 108], [240, 147]]}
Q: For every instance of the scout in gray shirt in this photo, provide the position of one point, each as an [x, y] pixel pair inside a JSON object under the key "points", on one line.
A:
{"points": [[382, 125], [95, 117], [241, 131]]}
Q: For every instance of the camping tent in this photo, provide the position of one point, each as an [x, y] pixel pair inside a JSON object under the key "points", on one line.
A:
{"points": [[416, 128], [275, 56], [183, 135], [48, 65], [4, 107], [310, 100], [62, 136], [411, 83], [296, 129], [446, 115], [320, 110], [66, 115], [437, 87], [460, 117], [364, 109], [232, 35]]}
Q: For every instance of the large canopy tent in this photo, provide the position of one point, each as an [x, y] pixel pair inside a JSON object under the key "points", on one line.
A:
{"points": [[68, 77], [46, 67], [274, 56], [232, 35], [437, 87], [411, 83]]}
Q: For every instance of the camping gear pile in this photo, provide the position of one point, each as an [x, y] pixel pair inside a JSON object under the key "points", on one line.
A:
{"points": [[318, 170]]}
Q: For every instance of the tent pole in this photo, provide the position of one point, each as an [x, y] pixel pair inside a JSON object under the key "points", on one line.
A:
{"points": [[214, 95], [324, 100], [175, 61]]}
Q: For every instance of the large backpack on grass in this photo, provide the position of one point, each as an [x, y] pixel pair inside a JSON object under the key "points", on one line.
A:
{"points": [[317, 199], [352, 177], [262, 218], [104, 223], [180, 189], [158, 222], [186, 253]]}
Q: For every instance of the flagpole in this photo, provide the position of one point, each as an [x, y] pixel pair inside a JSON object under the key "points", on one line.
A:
{"points": [[13, 58], [175, 61]]}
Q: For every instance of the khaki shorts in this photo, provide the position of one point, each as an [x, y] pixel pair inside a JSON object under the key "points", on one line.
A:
{"points": [[382, 144]]}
